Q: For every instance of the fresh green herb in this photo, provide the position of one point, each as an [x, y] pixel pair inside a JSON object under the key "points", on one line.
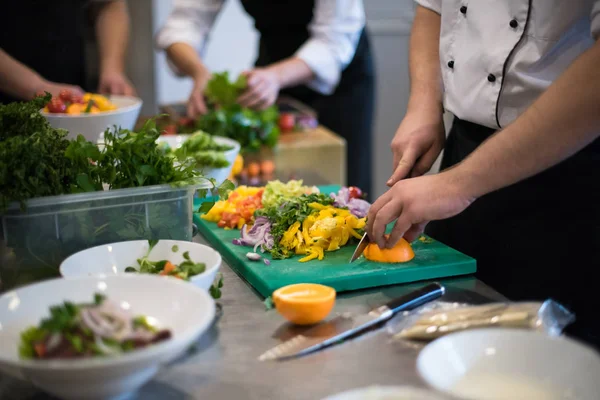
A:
{"points": [[88, 107], [252, 129], [142, 322], [223, 192], [175, 248], [220, 90], [99, 299], [215, 288], [268, 302], [284, 215], [28, 337]]}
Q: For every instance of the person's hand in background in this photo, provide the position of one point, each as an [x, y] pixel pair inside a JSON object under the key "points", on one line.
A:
{"points": [[115, 83], [262, 88], [55, 88], [417, 143], [196, 104]]}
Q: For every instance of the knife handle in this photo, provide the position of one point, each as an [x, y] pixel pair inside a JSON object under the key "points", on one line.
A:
{"points": [[416, 298]]}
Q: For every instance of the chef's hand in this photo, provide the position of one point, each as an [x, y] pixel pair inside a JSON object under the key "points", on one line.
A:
{"points": [[115, 83], [416, 145], [196, 105], [55, 88], [263, 88], [413, 203]]}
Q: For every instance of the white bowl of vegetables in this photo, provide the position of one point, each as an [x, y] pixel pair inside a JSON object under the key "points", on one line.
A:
{"points": [[214, 155], [187, 261], [99, 338]]}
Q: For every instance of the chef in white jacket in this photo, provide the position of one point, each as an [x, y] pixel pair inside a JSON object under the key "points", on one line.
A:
{"points": [[316, 51], [519, 188]]}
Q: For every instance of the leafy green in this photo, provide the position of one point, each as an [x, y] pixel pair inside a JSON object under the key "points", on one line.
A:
{"points": [[203, 150], [268, 302], [284, 215], [221, 91], [30, 336], [215, 288], [252, 129], [223, 191]]}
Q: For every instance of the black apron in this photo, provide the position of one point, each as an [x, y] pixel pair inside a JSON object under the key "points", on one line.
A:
{"points": [[536, 239], [283, 28], [46, 36]]}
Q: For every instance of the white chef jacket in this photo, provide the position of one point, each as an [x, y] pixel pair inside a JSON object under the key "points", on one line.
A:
{"points": [[334, 33], [498, 56]]}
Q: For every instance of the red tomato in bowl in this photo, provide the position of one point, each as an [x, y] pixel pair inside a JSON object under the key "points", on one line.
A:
{"points": [[56, 105]]}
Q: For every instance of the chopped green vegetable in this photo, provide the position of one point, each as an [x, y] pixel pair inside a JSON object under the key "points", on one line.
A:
{"points": [[220, 90], [215, 288], [268, 302], [284, 215], [175, 248], [203, 150], [277, 192]]}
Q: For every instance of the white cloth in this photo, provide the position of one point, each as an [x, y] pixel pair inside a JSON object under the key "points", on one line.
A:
{"points": [[523, 57], [334, 33]]}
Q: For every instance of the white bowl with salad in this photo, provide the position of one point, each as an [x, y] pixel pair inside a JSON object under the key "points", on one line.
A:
{"points": [[187, 261], [99, 338], [214, 155]]}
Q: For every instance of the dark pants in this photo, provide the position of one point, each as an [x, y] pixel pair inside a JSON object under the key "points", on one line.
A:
{"points": [[537, 239], [349, 112]]}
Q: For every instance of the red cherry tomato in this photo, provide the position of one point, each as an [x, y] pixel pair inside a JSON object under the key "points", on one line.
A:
{"points": [[77, 98], [65, 95], [170, 130], [354, 192], [56, 105], [287, 122]]}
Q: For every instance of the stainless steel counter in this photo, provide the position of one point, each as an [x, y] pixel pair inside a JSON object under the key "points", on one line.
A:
{"points": [[224, 364]]}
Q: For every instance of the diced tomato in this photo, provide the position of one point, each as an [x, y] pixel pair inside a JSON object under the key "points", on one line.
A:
{"points": [[170, 130], [56, 105], [65, 95], [287, 121], [354, 192], [40, 349]]}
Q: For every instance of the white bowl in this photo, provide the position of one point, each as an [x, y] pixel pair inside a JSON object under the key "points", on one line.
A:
{"points": [[92, 125], [218, 174], [387, 393], [184, 309], [112, 259], [510, 364]]}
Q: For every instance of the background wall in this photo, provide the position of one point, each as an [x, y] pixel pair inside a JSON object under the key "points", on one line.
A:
{"points": [[233, 46]]}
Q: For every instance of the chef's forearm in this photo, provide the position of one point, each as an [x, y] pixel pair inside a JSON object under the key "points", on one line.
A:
{"points": [[558, 124], [424, 63], [112, 32], [292, 71], [16, 79], [186, 60]]}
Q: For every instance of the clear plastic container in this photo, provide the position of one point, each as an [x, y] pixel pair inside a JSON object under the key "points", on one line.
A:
{"points": [[34, 242]]}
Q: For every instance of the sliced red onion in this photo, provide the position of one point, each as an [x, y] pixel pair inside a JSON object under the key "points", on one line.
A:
{"points": [[359, 207], [253, 256], [267, 262]]}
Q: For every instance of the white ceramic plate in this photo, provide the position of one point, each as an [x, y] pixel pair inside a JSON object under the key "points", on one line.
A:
{"points": [[387, 393], [505, 364], [92, 125], [184, 309], [218, 174], [112, 259]]}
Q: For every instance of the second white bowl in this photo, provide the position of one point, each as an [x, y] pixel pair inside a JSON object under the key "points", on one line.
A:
{"points": [[510, 364], [112, 259]]}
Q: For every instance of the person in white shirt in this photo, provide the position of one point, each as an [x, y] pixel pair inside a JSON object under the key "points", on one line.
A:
{"points": [[518, 188], [316, 51]]}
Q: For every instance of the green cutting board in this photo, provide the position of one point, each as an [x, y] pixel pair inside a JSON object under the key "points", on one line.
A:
{"points": [[432, 260]]}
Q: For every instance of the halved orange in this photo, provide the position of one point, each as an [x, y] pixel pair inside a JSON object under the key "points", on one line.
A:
{"points": [[304, 303], [400, 253]]}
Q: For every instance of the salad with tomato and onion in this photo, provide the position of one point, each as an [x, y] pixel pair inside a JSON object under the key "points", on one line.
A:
{"points": [[99, 328], [72, 103]]}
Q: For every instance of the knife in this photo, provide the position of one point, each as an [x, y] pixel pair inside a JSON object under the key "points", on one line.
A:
{"points": [[345, 325], [362, 245]]}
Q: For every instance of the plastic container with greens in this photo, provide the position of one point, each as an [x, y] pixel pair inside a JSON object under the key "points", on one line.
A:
{"points": [[60, 196]]}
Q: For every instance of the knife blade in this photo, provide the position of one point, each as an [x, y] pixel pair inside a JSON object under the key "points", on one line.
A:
{"points": [[362, 245], [345, 325]]}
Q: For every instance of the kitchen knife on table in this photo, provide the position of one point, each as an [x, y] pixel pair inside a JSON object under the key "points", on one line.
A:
{"points": [[345, 325]]}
